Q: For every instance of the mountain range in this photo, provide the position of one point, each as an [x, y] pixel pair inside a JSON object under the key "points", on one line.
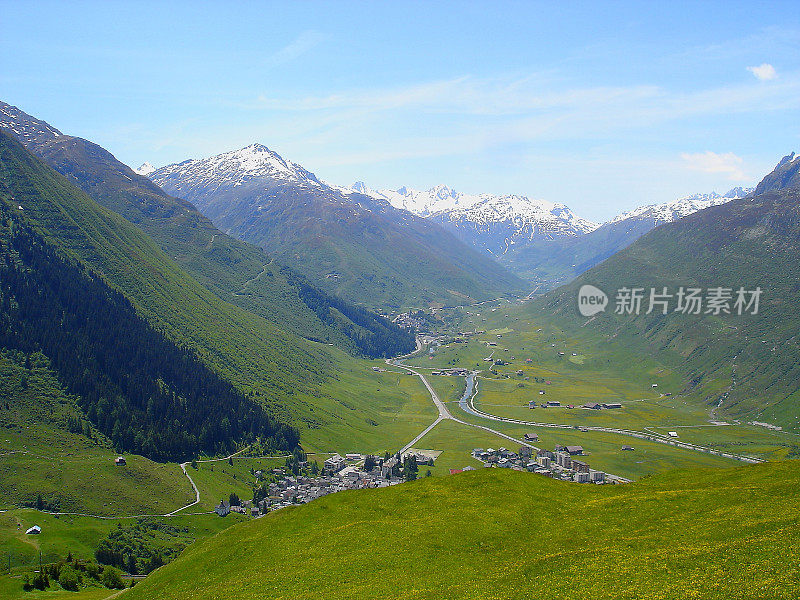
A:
{"points": [[543, 242], [550, 263], [353, 244]]}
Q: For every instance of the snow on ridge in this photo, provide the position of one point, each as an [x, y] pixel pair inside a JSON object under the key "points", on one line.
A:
{"points": [[24, 126], [670, 211], [236, 167], [445, 203], [145, 169]]}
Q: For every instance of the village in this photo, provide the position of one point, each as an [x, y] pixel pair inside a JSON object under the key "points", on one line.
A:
{"points": [[339, 473], [560, 463], [357, 472]]}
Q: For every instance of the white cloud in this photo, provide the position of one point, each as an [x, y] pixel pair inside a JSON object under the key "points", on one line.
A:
{"points": [[764, 72], [296, 48], [710, 162]]}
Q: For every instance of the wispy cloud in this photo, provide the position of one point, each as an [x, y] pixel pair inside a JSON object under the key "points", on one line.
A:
{"points": [[303, 43], [710, 162], [764, 72], [468, 115]]}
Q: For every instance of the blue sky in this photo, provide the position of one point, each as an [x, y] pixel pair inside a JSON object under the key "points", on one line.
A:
{"points": [[602, 106]]}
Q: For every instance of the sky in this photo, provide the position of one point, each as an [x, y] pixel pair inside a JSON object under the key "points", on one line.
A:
{"points": [[603, 106]]}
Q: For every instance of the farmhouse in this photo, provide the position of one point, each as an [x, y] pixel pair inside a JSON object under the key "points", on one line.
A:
{"points": [[573, 450], [35, 530], [120, 461], [531, 437], [223, 508], [593, 406], [612, 405]]}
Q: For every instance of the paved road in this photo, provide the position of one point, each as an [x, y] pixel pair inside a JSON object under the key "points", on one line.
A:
{"points": [[468, 406], [466, 403], [444, 413]]}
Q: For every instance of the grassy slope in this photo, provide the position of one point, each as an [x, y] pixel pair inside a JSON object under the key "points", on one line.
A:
{"points": [[245, 348], [748, 362], [38, 455], [500, 534], [79, 535]]}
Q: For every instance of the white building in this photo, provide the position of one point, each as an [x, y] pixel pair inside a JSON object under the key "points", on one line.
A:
{"points": [[335, 463]]}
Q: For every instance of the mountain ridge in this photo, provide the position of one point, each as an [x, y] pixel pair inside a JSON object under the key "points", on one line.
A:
{"points": [[353, 244], [233, 270], [745, 365]]}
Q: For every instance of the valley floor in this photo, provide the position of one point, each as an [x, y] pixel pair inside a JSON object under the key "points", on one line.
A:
{"points": [[376, 407]]}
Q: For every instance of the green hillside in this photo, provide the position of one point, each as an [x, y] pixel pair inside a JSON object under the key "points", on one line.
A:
{"points": [[746, 364], [235, 271], [499, 534], [137, 386], [49, 450], [242, 346], [335, 400]]}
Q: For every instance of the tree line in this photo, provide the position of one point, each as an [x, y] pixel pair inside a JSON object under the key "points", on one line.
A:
{"points": [[373, 335], [139, 388]]}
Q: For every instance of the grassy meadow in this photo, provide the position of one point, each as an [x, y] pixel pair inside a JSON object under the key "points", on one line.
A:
{"points": [[498, 534]]}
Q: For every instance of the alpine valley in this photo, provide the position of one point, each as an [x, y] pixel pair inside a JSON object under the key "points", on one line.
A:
{"points": [[224, 377]]}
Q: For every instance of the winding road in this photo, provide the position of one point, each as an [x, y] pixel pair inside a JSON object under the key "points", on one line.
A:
{"points": [[444, 412], [466, 403]]}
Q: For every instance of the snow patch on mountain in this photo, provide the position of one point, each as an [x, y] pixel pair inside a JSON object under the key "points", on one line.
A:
{"points": [[24, 127], [145, 169], [671, 211]]}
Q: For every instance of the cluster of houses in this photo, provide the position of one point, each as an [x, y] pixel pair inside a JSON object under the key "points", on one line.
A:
{"points": [[339, 474], [452, 372], [560, 463], [556, 403]]}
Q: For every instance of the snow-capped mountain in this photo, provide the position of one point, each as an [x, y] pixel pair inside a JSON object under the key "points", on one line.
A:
{"points": [[253, 164], [145, 169], [357, 245], [670, 211], [563, 259], [489, 222]]}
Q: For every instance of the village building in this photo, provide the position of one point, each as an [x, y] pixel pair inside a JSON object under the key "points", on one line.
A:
{"points": [[223, 508], [335, 463]]}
